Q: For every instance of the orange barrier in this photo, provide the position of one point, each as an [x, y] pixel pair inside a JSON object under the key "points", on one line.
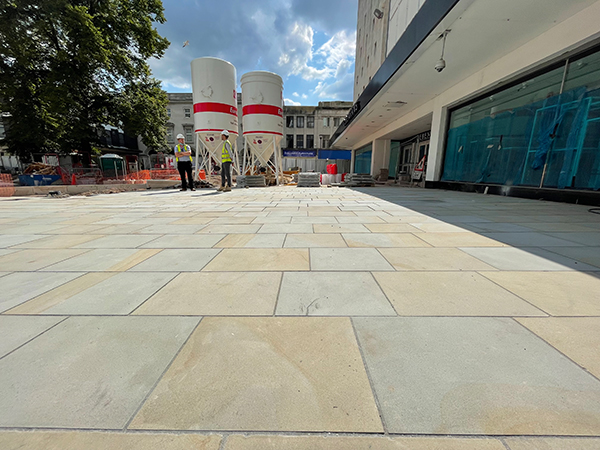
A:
{"points": [[7, 187], [164, 174]]}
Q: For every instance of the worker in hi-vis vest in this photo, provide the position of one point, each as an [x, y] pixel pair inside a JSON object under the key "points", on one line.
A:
{"points": [[226, 153], [183, 155]]}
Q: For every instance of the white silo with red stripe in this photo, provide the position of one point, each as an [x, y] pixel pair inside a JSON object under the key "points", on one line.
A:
{"points": [[262, 102], [215, 108]]}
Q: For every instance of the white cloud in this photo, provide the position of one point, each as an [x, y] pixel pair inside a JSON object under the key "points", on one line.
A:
{"points": [[295, 94], [288, 102], [304, 96], [342, 46]]}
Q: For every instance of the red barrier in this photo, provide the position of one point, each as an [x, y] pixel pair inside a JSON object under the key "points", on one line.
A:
{"points": [[7, 187]]}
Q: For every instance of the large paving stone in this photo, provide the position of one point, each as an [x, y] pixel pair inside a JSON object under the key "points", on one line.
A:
{"points": [[30, 260], [475, 376], [109, 260], [216, 294], [532, 258], [88, 372], [77, 440], [314, 241], [432, 259], [16, 330], [557, 293], [119, 241], [59, 241], [332, 294], [576, 337], [263, 259], [588, 255], [17, 288], [275, 374], [237, 442], [177, 260], [450, 294], [350, 259], [464, 239], [383, 240], [553, 444], [252, 241], [185, 241]]}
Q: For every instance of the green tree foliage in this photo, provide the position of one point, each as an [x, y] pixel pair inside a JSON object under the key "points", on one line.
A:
{"points": [[67, 67]]}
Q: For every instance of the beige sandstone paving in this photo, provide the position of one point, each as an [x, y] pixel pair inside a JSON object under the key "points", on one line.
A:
{"points": [[557, 293], [78, 440], [341, 228], [576, 337], [237, 442], [553, 443], [450, 294], [269, 374], [222, 294], [431, 259], [243, 260], [391, 228], [384, 240], [327, 240], [60, 241], [30, 260], [465, 239], [252, 241]]}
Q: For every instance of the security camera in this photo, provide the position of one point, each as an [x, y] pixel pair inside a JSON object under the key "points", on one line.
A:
{"points": [[441, 65]]}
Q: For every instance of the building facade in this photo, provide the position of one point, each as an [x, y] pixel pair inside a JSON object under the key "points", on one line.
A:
{"points": [[503, 94]]}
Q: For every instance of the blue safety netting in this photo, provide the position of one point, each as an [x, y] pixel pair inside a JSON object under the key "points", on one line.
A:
{"points": [[557, 138]]}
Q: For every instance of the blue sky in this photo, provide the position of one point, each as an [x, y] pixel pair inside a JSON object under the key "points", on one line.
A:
{"points": [[310, 43]]}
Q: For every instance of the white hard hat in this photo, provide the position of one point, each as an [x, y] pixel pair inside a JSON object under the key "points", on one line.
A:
{"points": [[180, 136], [225, 133]]}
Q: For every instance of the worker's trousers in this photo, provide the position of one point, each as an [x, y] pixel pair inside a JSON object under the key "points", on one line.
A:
{"points": [[226, 173], [185, 167]]}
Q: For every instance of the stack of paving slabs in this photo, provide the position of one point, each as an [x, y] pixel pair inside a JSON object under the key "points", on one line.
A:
{"points": [[251, 181], [309, 179], [358, 179]]}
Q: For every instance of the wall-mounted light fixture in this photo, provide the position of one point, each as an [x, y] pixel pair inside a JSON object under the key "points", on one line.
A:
{"points": [[378, 13]]}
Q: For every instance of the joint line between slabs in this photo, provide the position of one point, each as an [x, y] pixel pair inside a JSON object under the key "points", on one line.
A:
{"points": [[160, 288], [506, 446], [150, 391], [224, 442], [556, 349], [371, 384], [278, 294], [33, 338], [384, 294]]}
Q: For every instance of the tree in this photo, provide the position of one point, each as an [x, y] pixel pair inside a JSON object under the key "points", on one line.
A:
{"points": [[68, 67]]}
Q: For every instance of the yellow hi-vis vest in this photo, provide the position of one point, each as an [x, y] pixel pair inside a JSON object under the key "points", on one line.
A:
{"points": [[225, 156], [180, 150]]}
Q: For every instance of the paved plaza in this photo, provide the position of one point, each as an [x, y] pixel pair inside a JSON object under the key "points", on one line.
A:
{"points": [[299, 319]]}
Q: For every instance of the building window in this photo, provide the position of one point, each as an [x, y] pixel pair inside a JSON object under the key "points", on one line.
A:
{"points": [[289, 121], [169, 112], [310, 121], [310, 141], [289, 141], [299, 141], [326, 122], [170, 137], [336, 122], [300, 122], [189, 135], [186, 112], [323, 141]]}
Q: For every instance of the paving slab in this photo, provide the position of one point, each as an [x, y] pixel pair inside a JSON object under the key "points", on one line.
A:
{"points": [[450, 294], [523, 259], [361, 219], [78, 440], [314, 240], [171, 229], [262, 259], [332, 294], [59, 241], [276, 374], [232, 220], [272, 219], [383, 240], [286, 228], [17, 330], [177, 260], [30, 260], [475, 376], [107, 296], [557, 293], [80, 229], [532, 239], [113, 361], [230, 229], [216, 294], [185, 241], [348, 259], [588, 255], [584, 238], [118, 241], [431, 259], [314, 220], [341, 228], [185, 221], [237, 442], [109, 260], [465, 239], [553, 443], [27, 228], [392, 228], [18, 288], [252, 241]]}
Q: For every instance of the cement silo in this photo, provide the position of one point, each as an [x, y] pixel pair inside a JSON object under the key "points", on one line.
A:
{"points": [[262, 101], [215, 108]]}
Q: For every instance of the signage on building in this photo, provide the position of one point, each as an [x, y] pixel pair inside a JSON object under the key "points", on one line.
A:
{"points": [[424, 136], [335, 154], [352, 113], [299, 153]]}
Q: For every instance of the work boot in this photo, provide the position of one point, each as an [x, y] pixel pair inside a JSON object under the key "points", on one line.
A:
{"points": [[221, 189], [227, 189]]}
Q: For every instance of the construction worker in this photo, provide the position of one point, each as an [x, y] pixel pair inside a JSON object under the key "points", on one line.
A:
{"points": [[226, 153], [183, 155]]}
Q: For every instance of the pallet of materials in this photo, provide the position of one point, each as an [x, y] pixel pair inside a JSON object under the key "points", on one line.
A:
{"points": [[309, 179], [251, 181], [358, 180]]}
